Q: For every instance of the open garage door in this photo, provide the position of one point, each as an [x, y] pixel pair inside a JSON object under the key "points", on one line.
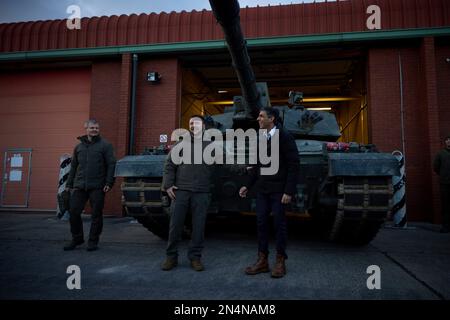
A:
{"points": [[332, 79], [41, 112]]}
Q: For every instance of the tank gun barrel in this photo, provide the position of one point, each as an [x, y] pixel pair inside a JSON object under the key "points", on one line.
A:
{"points": [[227, 14]]}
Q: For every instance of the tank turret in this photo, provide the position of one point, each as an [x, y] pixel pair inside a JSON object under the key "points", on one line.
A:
{"points": [[306, 124]]}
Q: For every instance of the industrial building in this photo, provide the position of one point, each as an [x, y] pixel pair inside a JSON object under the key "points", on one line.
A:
{"points": [[387, 83]]}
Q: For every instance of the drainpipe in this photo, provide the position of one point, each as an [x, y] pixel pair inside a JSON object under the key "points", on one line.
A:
{"points": [[131, 146], [402, 111]]}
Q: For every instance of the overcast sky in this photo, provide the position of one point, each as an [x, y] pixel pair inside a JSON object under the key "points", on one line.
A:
{"points": [[32, 10]]}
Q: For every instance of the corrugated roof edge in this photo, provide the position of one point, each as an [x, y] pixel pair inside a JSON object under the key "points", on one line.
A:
{"points": [[220, 44]]}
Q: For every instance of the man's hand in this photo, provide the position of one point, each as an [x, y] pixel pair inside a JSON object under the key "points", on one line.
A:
{"points": [[171, 192], [286, 198], [67, 189], [243, 192], [106, 189]]}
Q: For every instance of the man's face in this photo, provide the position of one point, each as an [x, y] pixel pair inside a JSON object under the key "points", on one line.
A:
{"points": [[196, 125], [447, 143], [265, 122], [92, 130]]}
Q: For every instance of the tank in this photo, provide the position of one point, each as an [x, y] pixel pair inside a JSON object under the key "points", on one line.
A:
{"points": [[345, 189]]}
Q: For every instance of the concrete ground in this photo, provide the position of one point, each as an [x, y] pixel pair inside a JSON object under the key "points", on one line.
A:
{"points": [[414, 264]]}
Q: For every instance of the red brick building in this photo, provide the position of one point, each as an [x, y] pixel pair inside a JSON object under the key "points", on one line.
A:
{"points": [[393, 83]]}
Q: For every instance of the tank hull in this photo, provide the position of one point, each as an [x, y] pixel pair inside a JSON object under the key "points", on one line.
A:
{"points": [[347, 194]]}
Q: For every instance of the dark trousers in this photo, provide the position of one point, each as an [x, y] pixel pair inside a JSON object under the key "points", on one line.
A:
{"points": [[266, 203], [78, 200], [198, 203], [445, 203]]}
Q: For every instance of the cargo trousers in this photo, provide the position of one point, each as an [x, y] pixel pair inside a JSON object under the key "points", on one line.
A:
{"points": [[78, 200], [197, 203]]}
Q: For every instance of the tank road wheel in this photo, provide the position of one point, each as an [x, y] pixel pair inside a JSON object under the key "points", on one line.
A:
{"points": [[364, 204], [142, 199]]}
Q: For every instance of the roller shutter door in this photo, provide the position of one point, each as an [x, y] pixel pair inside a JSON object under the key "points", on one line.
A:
{"points": [[41, 111]]}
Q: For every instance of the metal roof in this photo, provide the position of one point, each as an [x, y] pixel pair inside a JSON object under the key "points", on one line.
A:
{"points": [[271, 21]]}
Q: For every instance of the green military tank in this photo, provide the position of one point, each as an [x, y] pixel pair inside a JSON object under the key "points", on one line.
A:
{"points": [[344, 188]]}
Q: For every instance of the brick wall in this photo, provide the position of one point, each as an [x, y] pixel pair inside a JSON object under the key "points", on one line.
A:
{"points": [[428, 84], [123, 119], [105, 107], [443, 88], [442, 52], [385, 120], [157, 105]]}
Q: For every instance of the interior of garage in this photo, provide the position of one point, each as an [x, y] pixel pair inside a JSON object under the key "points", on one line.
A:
{"points": [[332, 79]]}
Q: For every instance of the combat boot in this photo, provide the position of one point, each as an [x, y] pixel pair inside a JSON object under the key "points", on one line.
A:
{"points": [[73, 244], [261, 265], [279, 269], [92, 245], [169, 264], [197, 265]]}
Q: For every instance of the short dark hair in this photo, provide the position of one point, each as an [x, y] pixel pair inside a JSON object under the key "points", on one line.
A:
{"points": [[198, 116], [90, 121], [272, 112]]}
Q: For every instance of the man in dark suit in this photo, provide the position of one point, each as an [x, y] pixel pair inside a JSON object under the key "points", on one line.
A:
{"points": [[274, 191]]}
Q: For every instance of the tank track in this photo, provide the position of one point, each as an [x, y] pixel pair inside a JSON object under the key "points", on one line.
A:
{"points": [[364, 204], [143, 200]]}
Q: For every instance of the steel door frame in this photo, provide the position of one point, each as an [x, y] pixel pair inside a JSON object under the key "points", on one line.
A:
{"points": [[21, 150]]}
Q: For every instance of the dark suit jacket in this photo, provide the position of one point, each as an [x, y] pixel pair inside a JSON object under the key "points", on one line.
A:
{"points": [[285, 180]]}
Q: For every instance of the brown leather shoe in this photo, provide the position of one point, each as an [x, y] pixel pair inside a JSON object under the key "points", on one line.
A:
{"points": [[261, 265], [197, 265], [279, 269], [169, 264]]}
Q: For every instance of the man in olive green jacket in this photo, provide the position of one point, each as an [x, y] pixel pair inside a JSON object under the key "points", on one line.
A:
{"points": [[188, 185], [91, 176], [441, 166]]}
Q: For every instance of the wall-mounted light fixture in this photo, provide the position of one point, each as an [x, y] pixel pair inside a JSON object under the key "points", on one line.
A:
{"points": [[319, 108], [153, 77]]}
